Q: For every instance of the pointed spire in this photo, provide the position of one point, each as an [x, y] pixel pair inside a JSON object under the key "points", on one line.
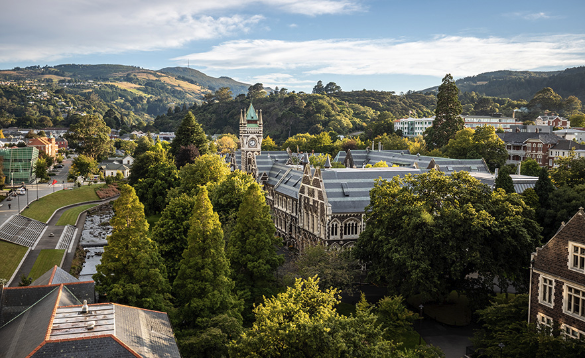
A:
{"points": [[327, 164], [260, 118], [251, 113], [242, 122]]}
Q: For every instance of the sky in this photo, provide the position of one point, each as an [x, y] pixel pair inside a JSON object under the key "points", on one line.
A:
{"points": [[382, 45]]}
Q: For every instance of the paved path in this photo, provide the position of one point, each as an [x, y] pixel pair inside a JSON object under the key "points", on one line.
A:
{"points": [[452, 340], [48, 242]]}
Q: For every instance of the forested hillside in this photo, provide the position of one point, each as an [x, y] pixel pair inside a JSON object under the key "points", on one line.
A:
{"points": [[522, 85]]}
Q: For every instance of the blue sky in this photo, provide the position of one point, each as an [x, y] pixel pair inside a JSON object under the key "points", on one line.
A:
{"points": [[372, 44]]}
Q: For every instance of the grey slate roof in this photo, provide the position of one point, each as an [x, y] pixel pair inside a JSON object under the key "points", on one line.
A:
{"points": [[22, 335], [565, 144], [54, 276], [356, 196], [104, 347], [521, 182], [522, 137]]}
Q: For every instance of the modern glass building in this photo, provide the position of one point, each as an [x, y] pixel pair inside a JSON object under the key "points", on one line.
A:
{"points": [[19, 164]]}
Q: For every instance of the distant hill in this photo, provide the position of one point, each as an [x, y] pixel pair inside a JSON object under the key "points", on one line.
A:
{"points": [[204, 80], [518, 85]]}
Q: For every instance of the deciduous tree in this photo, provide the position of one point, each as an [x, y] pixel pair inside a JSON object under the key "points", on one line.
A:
{"points": [[426, 233], [268, 144], [91, 137], [131, 270], [530, 167]]}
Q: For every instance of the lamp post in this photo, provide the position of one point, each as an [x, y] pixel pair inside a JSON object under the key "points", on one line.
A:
{"points": [[501, 345], [18, 200], [420, 307]]}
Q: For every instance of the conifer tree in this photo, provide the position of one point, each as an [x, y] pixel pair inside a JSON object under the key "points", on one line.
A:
{"points": [[131, 270], [252, 250], [189, 132], [447, 120], [203, 287], [543, 188], [504, 181]]}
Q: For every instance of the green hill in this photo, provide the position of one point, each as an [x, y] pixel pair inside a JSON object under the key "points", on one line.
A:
{"points": [[522, 85], [204, 80]]}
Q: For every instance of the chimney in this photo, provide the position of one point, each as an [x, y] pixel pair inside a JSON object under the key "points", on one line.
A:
{"points": [[85, 307]]}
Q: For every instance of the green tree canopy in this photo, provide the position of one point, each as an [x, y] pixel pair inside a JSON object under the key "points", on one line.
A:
{"points": [[426, 233], [227, 195], [252, 249], [189, 132], [131, 270], [203, 287], [171, 231], [83, 166], [530, 167], [504, 181], [208, 168], [568, 171], [154, 182], [91, 137], [268, 144], [483, 142], [302, 322], [447, 120], [545, 99], [143, 145], [577, 120]]}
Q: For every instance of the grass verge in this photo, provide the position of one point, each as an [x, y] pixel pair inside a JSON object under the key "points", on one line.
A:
{"points": [[69, 217], [10, 257], [43, 208], [46, 260]]}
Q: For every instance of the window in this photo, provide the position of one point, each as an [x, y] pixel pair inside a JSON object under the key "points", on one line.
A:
{"points": [[546, 294], [576, 257], [334, 229], [575, 302], [570, 332], [544, 322], [350, 228]]}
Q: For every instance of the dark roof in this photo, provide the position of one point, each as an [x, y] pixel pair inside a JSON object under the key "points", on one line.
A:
{"points": [[46, 321], [565, 144], [20, 336], [54, 276], [522, 137]]}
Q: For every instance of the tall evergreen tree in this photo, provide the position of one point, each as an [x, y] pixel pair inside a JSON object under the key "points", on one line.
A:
{"points": [[544, 187], [131, 270], [203, 287], [252, 250], [189, 132], [447, 120], [172, 230], [504, 181]]}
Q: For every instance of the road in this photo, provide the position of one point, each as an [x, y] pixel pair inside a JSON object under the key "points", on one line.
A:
{"points": [[35, 191]]}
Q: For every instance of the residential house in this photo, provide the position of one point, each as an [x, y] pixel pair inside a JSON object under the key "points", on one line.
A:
{"points": [[563, 149], [505, 123], [56, 316], [554, 121], [557, 280], [523, 145], [111, 166], [577, 134]]}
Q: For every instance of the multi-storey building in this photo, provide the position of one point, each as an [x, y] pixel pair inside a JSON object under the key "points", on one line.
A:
{"points": [[554, 121], [504, 123], [44, 144], [557, 282], [412, 127]]}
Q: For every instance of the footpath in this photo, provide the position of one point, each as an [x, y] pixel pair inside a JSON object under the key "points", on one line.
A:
{"points": [[50, 238]]}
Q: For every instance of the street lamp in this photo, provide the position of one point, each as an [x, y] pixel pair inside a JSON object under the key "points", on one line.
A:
{"points": [[501, 345], [18, 200], [420, 307]]}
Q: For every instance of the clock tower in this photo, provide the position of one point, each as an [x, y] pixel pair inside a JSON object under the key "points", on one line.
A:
{"points": [[251, 129]]}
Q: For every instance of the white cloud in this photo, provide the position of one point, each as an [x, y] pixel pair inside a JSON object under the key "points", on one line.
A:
{"points": [[460, 56], [293, 25], [49, 30], [532, 16], [282, 80]]}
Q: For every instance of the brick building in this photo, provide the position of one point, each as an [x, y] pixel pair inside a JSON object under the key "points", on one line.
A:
{"points": [[45, 145], [557, 283]]}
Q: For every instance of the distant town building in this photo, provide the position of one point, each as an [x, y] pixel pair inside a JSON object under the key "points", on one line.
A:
{"points": [[577, 134], [44, 144], [111, 166], [504, 123], [555, 121], [412, 127]]}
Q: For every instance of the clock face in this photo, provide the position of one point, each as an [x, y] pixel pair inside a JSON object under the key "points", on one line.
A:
{"points": [[252, 142]]}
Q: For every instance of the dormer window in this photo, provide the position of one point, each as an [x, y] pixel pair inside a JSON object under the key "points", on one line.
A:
{"points": [[577, 257]]}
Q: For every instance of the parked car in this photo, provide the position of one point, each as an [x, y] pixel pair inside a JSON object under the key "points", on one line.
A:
{"points": [[21, 191], [59, 166]]}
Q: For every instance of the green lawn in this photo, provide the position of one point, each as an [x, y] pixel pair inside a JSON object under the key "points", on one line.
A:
{"points": [[10, 257], [46, 260], [43, 208], [69, 217]]}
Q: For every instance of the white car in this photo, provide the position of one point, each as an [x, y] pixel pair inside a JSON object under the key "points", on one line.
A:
{"points": [[21, 191]]}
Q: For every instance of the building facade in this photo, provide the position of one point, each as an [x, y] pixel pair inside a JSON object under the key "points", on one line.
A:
{"points": [[557, 283], [19, 164], [44, 144]]}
